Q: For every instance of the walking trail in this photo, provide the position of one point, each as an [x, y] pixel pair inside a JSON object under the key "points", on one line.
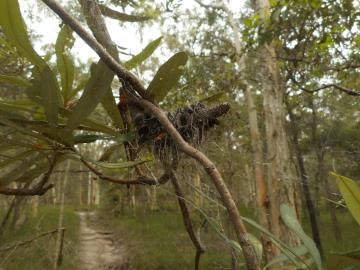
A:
{"points": [[98, 250]]}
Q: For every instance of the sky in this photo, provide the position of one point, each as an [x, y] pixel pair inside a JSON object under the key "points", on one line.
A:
{"points": [[48, 27]]}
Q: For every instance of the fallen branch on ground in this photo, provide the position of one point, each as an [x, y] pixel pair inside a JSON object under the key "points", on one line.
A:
{"points": [[28, 241]]}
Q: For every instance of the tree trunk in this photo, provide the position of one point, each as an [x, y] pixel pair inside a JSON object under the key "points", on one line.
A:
{"points": [[281, 178], [258, 157], [81, 180], [89, 189], [332, 211], [320, 176], [60, 235], [305, 183], [96, 192], [256, 143]]}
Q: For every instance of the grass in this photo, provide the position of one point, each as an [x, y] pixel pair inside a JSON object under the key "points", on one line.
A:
{"points": [[161, 241], [350, 231], [40, 253]]}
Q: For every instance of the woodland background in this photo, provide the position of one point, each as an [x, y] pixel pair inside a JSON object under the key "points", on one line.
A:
{"points": [[70, 147]]}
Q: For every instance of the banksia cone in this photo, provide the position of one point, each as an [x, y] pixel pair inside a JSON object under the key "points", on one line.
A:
{"points": [[192, 122]]}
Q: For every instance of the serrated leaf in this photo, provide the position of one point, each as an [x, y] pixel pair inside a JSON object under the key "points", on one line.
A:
{"points": [[167, 76], [142, 56], [355, 253], [300, 251], [15, 80], [98, 84], [81, 85], [121, 165], [13, 26], [94, 125], [65, 63], [22, 169], [109, 104], [109, 151], [17, 158], [213, 98], [255, 243], [125, 137], [88, 138], [49, 91], [21, 129], [289, 218], [285, 249], [351, 194]]}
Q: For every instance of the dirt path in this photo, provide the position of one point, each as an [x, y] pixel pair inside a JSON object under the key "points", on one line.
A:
{"points": [[98, 250]]}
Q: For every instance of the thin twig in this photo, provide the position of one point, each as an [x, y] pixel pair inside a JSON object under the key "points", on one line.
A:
{"points": [[140, 180], [40, 189], [187, 220], [114, 14], [28, 241]]}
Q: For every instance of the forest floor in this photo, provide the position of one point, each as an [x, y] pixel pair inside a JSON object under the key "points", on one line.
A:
{"points": [[99, 248]]}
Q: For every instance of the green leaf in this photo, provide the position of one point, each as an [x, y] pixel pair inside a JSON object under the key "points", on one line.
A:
{"points": [[121, 165], [355, 253], [64, 60], [109, 104], [300, 251], [109, 151], [289, 217], [13, 26], [167, 76], [15, 80], [145, 54], [351, 194], [94, 125], [213, 98], [98, 84], [49, 91], [22, 169], [285, 249], [88, 138], [17, 158], [21, 129], [81, 85]]}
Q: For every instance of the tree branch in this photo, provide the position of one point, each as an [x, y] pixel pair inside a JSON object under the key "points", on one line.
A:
{"points": [[141, 180], [114, 14], [24, 242], [214, 6], [348, 91], [40, 189], [187, 220]]}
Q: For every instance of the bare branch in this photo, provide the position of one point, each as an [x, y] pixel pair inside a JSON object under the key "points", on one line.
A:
{"points": [[187, 220], [40, 189], [140, 180], [214, 6], [25, 242], [114, 14], [347, 91]]}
